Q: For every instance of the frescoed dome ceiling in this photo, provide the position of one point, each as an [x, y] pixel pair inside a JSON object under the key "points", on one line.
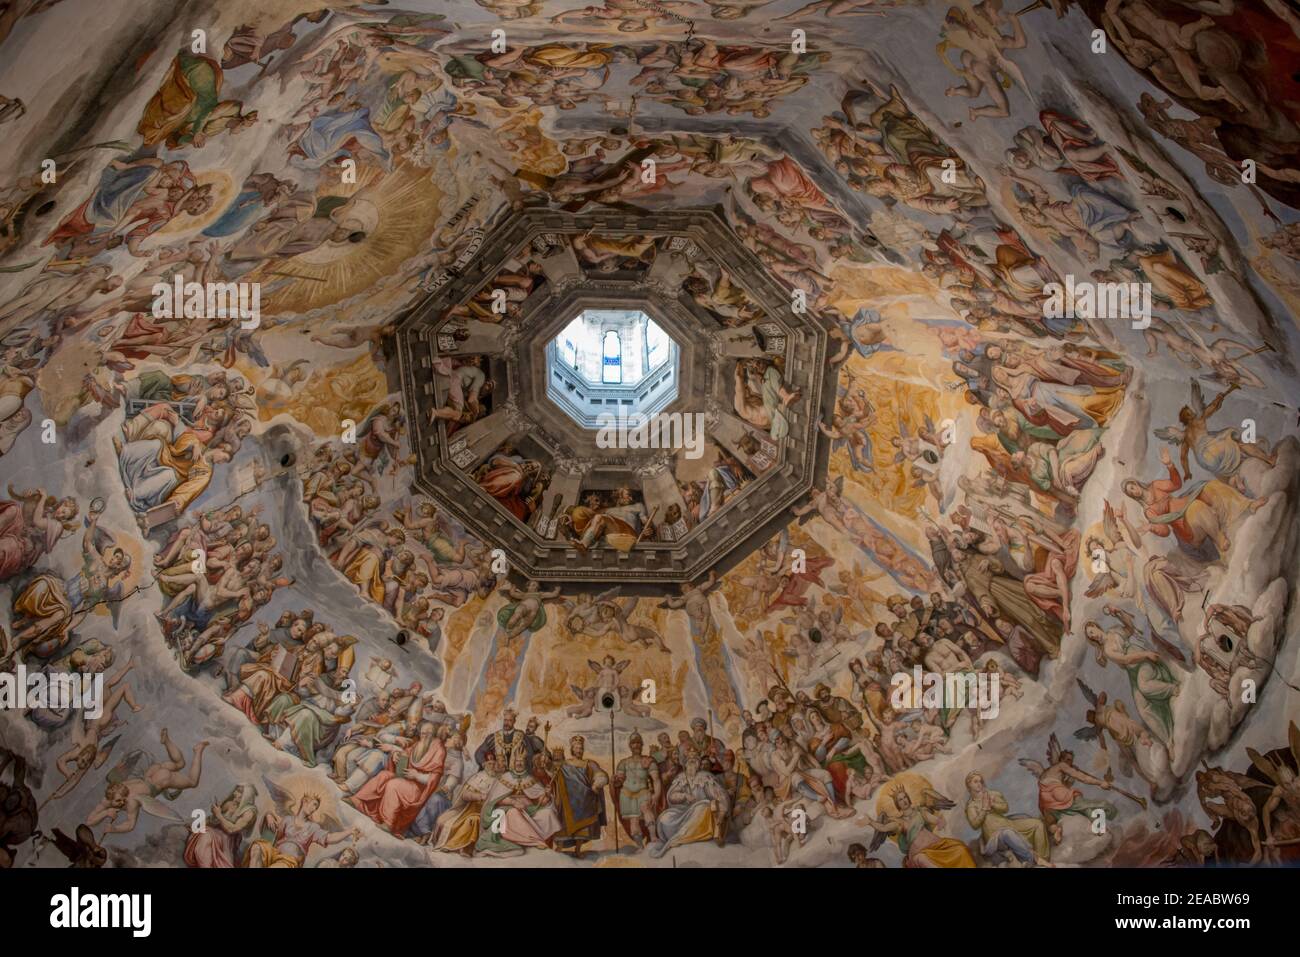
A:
{"points": [[981, 317], [468, 454]]}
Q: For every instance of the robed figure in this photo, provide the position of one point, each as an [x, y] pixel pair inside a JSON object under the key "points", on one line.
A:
{"points": [[578, 786], [697, 807], [393, 797], [518, 811]]}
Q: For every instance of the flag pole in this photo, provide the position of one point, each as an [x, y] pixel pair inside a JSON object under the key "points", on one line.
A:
{"points": [[613, 761]]}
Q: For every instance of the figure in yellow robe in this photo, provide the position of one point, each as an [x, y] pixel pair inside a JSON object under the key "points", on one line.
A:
{"points": [[187, 108], [1172, 280], [916, 830], [365, 570], [557, 56]]}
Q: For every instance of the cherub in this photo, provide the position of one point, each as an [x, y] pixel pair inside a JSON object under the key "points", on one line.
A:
{"points": [[586, 702], [911, 447], [1008, 684], [527, 609], [608, 672], [613, 617], [89, 747], [850, 427], [585, 611], [132, 792], [921, 740], [779, 824]]}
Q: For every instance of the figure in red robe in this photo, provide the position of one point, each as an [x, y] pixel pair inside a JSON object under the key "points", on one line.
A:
{"points": [[796, 584], [393, 797]]}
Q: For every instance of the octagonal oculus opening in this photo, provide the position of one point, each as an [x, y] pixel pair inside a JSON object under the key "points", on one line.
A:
{"points": [[611, 362]]}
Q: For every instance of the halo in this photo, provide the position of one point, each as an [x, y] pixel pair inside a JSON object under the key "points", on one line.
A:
{"points": [[295, 786], [223, 190], [910, 782], [363, 216], [134, 549]]}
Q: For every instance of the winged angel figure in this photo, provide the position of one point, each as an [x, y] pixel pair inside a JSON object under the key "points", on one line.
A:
{"points": [[298, 823]]}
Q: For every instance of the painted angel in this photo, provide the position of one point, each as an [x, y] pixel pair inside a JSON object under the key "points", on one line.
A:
{"points": [[91, 744], [916, 828], [614, 617], [1113, 559], [584, 611], [1057, 794], [608, 672], [850, 426], [289, 833], [526, 611], [1112, 718], [1221, 452], [910, 446], [134, 786]]}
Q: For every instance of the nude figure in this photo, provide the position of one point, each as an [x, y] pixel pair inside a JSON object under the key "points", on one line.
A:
{"points": [[135, 794], [979, 36], [89, 749], [529, 603]]}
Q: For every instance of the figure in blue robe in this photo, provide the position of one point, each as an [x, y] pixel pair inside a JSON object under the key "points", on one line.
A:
{"points": [[580, 800], [328, 135]]}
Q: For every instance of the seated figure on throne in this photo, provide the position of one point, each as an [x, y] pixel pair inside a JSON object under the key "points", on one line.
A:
{"points": [[697, 808], [620, 525]]}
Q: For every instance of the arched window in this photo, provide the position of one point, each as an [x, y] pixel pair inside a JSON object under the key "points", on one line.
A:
{"points": [[612, 369], [570, 354], [656, 346]]}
